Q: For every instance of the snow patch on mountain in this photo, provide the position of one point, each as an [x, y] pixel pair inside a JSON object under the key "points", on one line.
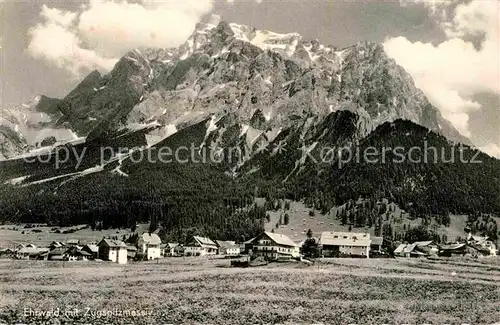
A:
{"points": [[17, 180]]}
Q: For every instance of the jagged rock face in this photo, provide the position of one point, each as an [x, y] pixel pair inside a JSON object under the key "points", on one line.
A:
{"points": [[100, 104], [24, 127], [11, 142], [236, 69], [288, 152], [265, 81]]}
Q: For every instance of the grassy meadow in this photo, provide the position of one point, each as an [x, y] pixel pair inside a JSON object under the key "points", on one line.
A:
{"points": [[204, 291], [12, 235]]}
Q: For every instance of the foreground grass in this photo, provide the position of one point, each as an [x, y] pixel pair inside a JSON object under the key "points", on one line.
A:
{"points": [[188, 291]]}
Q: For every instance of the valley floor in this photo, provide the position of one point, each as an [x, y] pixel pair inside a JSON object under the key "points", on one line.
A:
{"points": [[204, 291]]}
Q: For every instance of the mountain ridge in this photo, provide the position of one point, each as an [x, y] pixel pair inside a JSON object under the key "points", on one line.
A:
{"points": [[225, 67]]}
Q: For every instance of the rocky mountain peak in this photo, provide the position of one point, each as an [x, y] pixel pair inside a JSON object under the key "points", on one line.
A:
{"points": [[274, 78]]}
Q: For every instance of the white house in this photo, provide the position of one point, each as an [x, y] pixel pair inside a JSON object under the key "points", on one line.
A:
{"points": [[228, 248], [150, 246], [274, 246], [113, 250], [200, 246], [345, 244]]}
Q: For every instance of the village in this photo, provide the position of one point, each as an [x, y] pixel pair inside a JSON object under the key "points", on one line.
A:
{"points": [[267, 247]]}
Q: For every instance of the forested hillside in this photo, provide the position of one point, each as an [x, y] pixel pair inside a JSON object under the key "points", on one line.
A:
{"points": [[187, 198]]}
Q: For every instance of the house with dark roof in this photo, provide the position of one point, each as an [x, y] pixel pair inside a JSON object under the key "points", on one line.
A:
{"points": [[200, 246], [274, 246], [113, 250], [178, 250], [56, 244], [344, 244], [246, 247], [149, 246], [75, 254], [7, 253]]}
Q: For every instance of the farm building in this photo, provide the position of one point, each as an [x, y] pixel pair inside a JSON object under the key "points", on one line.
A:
{"points": [[179, 250], [92, 249], [407, 250], [200, 246], [113, 250], [43, 253], [427, 247], [453, 250], [32, 253], [417, 249], [149, 245], [7, 253], [76, 254], [246, 247], [274, 246], [56, 244], [131, 252], [169, 249], [482, 243], [73, 242], [19, 246], [345, 244], [57, 254], [377, 243], [228, 248]]}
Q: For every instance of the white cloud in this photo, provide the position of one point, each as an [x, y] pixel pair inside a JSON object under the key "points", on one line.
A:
{"points": [[62, 48], [115, 27], [60, 17], [451, 72], [491, 149], [102, 31]]}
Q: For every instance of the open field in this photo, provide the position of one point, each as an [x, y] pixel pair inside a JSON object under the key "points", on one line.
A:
{"points": [[198, 290], [10, 237]]}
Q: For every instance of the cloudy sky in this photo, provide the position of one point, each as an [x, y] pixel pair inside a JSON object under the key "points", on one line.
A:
{"points": [[450, 47]]}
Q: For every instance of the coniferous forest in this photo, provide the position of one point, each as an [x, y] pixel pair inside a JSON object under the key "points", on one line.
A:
{"points": [[187, 198]]}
